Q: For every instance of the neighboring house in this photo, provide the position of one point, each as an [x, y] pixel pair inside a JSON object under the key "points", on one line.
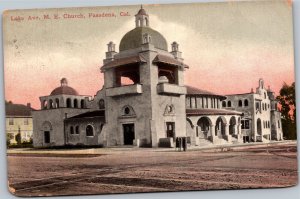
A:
{"points": [[19, 120], [261, 119]]}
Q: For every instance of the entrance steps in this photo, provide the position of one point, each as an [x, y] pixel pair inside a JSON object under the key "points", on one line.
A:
{"points": [[204, 142]]}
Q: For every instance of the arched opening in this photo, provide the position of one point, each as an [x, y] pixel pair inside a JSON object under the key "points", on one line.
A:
{"points": [[51, 103], [189, 128], [240, 103], [232, 126], [204, 125], [89, 130], [56, 103], [68, 102], [46, 129], [77, 129], [127, 111], [278, 124], [101, 104], [229, 103], [71, 130], [246, 102], [224, 104], [75, 103], [220, 127], [82, 103], [45, 104], [258, 126]]}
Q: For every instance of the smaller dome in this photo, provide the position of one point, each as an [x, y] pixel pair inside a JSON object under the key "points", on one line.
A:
{"points": [[142, 12], [64, 89]]}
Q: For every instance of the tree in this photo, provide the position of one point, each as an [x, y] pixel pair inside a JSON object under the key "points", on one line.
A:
{"points": [[8, 139], [287, 101], [18, 138]]}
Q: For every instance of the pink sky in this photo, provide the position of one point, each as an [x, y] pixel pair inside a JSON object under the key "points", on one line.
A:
{"points": [[226, 56]]}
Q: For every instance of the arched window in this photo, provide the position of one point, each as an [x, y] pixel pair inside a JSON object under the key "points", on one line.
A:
{"points": [[51, 103], [224, 104], [101, 127], [56, 103], [77, 129], [127, 111], [75, 103], [68, 103], [229, 103], [89, 130], [72, 130], [240, 103], [246, 103], [265, 95], [82, 104], [278, 124], [268, 124], [101, 104], [45, 104]]}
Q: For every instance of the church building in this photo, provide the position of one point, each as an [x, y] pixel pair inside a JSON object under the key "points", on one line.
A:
{"points": [[144, 102]]}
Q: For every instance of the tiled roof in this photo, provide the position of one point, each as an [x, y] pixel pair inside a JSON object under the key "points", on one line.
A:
{"points": [[196, 91], [64, 90], [125, 61], [17, 110], [191, 112], [99, 113], [168, 60]]}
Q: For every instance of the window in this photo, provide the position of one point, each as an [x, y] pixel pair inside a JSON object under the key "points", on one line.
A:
{"points": [[229, 103], [26, 121], [101, 104], [265, 95], [245, 124], [68, 103], [89, 130], [224, 104], [71, 130], [257, 105], [77, 129], [240, 103], [82, 104], [75, 103], [246, 103], [11, 121], [127, 111], [278, 124], [56, 103]]}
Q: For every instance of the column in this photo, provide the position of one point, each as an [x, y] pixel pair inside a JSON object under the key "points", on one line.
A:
{"points": [[227, 136], [214, 138]]}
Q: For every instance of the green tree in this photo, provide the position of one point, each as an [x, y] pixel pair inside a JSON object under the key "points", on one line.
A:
{"points": [[8, 138], [18, 138], [287, 100]]}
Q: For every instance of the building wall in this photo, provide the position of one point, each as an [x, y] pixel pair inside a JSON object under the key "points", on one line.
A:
{"points": [[51, 120], [23, 125], [81, 138]]}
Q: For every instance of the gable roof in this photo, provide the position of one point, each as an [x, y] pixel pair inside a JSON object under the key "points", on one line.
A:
{"points": [[18, 110]]}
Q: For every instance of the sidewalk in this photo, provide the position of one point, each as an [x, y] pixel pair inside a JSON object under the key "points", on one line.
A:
{"points": [[116, 150]]}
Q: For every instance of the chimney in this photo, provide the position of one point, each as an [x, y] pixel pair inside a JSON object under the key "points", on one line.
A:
{"points": [[29, 105]]}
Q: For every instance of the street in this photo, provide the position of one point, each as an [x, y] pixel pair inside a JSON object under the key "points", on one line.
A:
{"points": [[128, 170]]}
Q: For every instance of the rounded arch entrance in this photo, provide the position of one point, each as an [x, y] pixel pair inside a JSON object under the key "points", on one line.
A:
{"points": [[46, 129], [189, 127], [258, 126], [232, 126], [220, 127], [203, 127]]}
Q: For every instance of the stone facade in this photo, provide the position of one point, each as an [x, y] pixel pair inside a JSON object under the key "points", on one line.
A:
{"points": [[144, 102]]}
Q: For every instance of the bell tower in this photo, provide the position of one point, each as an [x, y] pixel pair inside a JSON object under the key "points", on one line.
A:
{"points": [[142, 18]]}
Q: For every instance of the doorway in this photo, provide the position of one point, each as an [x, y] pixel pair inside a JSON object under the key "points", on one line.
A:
{"points": [[47, 137], [128, 130], [170, 129]]}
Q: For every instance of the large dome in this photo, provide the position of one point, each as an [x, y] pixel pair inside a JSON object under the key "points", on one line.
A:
{"points": [[134, 39]]}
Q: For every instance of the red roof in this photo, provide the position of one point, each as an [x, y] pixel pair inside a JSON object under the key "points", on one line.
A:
{"points": [[125, 61], [168, 60], [196, 91], [191, 112], [64, 90], [17, 110]]}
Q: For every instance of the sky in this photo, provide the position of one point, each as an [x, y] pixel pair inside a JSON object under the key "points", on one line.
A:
{"points": [[228, 46]]}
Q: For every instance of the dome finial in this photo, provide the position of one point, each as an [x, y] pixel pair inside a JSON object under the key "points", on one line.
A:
{"points": [[64, 82]]}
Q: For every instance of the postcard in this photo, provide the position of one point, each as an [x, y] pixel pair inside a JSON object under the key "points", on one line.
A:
{"points": [[150, 98]]}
